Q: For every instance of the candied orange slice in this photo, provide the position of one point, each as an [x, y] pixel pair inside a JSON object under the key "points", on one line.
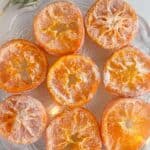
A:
{"points": [[22, 119], [75, 129], [126, 124], [23, 66], [59, 28], [73, 80], [111, 23], [127, 72]]}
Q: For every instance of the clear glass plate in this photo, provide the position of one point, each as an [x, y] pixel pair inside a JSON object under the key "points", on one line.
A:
{"points": [[17, 23]]}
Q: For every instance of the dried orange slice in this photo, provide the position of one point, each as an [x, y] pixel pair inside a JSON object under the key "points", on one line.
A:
{"points": [[127, 72], [75, 129], [111, 23], [125, 124], [22, 119], [23, 66], [73, 80], [59, 28]]}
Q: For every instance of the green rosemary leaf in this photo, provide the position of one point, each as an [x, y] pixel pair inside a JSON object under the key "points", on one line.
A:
{"points": [[27, 3], [24, 3], [20, 3]]}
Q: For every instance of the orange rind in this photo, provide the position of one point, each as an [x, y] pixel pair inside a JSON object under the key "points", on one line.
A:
{"points": [[59, 28], [112, 24], [73, 80], [127, 73], [23, 119], [125, 124], [23, 66], [75, 129]]}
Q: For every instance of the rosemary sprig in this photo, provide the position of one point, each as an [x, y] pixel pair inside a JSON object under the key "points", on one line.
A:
{"points": [[20, 3], [23, 3]]}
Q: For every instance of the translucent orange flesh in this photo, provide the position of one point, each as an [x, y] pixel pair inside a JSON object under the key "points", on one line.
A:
{"points": [[22, 119], [8, 119], [59, 28], [111, 23], [73, 80], [126, 124], [128, 72], [73, 130], [22, 66]]}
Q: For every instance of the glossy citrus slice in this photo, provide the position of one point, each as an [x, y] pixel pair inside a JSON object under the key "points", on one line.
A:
{"points": [[126, 124], [73, 80], [75, 129], [59, 28], [22, 119], [127, 72], [23, 66], [111, 23]]}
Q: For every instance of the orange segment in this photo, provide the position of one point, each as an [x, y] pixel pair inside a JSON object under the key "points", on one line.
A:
{"points": [[125, 124], [127, 72], [111, 23], [23, 66], [75, 129], [22, 119], [73, 80], [59, 28]]}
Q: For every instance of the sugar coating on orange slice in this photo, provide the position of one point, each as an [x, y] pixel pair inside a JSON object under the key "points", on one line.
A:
{"points": [[23, 66], [111, 23], [73, 80], [59, 28], [22, 119], [125, 124], [75, 129], [127, 72]]}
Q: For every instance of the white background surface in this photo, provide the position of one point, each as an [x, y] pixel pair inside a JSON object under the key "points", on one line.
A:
{"points": [[142, 7]]}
